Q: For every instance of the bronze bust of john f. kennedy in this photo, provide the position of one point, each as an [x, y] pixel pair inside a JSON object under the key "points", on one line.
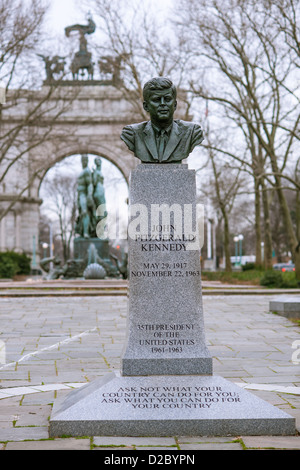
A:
{"points": [[162, 139]]}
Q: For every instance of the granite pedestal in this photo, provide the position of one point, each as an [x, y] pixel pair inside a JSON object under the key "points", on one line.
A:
{"points": [[165, 315], [166, 386], [288, 307], [166, 406]]}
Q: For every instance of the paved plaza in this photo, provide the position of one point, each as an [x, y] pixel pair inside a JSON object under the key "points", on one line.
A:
{"points": [[50, 345]]}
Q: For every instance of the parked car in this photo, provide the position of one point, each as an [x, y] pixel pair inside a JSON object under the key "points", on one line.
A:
{"points": [[283, 267]]}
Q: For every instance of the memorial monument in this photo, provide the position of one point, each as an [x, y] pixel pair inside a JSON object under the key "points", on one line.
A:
{"points": [[166, 384]]}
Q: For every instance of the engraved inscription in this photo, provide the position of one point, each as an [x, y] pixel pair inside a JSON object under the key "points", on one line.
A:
{"points": [[178, 269], [167, 338], [171, 397]]}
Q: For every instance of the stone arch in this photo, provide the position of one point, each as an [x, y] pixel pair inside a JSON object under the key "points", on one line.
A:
{"points": [[90, 123]]}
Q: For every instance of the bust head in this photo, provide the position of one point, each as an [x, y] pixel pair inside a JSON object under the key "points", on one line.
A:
{"points": [[160, 100], [98, 162], [84, 160]]}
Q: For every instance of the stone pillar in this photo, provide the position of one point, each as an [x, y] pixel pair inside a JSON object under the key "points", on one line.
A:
{"points": [[18, 232], [2, 235], [165, 318]]}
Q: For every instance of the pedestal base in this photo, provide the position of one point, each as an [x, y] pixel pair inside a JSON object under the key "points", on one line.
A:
{"points": [[165, 327], [166, 406], [82, 245], [200, 365], [100, 254]]}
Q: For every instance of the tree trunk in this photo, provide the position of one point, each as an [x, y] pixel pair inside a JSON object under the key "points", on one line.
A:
{"points": [[267, 228], [297, 211], [258, 260], [291, 235], [226, 242]]}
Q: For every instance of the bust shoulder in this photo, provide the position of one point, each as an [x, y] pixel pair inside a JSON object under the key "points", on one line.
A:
{"points": [[186, 124], [137, 126]]}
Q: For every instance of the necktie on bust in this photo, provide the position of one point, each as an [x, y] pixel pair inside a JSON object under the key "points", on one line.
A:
{"points": [[162, 141]]}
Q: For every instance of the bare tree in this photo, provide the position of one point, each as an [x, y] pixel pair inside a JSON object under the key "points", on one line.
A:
{"points": [[60, 198], [20, 30], [222, 190], [253, 86], [28, 117], [285, 14], [138, 46]]}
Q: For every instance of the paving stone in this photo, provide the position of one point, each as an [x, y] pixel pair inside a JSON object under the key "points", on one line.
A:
{"points": [[33, 416], [111, 448], [22, 434], [272, 442], [230, 322], [211, 446], [133, 441], [42, 398], [203, 440], [7, 424], [56, 444], [8, 414], [170, 449]]}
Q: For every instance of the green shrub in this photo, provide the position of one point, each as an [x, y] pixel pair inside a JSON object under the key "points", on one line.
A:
{"points": [[12, 263], [251, 276], [278, 279], [248, 266], [8, 267], [272, 279], [22, 260], [289, 280]]}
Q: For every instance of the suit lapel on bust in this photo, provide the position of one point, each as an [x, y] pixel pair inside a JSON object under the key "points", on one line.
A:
{"points": [[150, 141], [174, 140]]}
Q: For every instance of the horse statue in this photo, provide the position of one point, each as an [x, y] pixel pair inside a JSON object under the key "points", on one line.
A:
{"points": [[113, 66], [53, 66], [83, 59], [81, 62]]}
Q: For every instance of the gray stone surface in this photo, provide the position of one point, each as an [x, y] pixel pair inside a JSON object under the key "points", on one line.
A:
{"points": [[287, 306], [242, 336], [161, 405], [57, 444], [130, 441], [272, 442], [165, 331]]}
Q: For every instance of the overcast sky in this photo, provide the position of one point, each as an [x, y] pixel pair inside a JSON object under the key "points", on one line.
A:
{"points": [[64, 12]]}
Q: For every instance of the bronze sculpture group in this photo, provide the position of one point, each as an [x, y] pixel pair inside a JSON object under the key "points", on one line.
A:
{"points": [[90, 195]]}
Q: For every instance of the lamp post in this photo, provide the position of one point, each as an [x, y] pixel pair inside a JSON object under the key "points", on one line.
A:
{"points": [[241, 238], [33, 264], [51, 244], [45, 247], [262, 251], [236, 241]]}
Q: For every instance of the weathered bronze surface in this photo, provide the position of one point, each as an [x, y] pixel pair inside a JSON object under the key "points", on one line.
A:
{"points": [[83, 58], [162, 139], [90, 195]]}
